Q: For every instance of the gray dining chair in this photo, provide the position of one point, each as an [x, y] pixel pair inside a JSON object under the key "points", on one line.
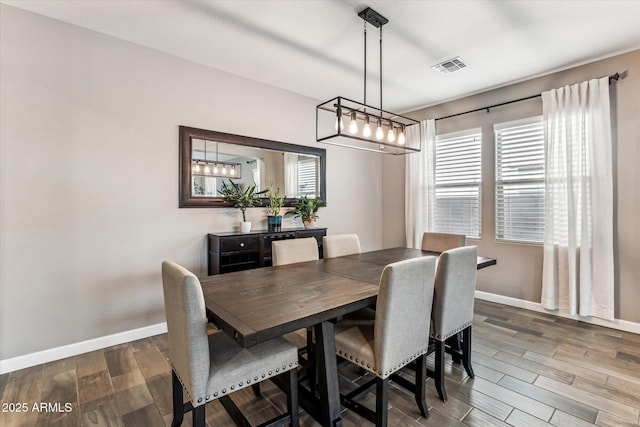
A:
{"points": [[291, 251], [212, 366], [340, 245], [452, 313], [396, 337], [440, 242]]}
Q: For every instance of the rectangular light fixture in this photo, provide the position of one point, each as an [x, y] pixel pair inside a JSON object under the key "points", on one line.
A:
{"points": [[348, 123]]}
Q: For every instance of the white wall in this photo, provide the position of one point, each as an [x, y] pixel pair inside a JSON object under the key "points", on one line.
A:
{"points": [[89, 177]]}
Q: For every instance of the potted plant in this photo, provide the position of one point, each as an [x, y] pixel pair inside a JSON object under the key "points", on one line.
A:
{"points": [[307, 210], [241, 199], [274, 219]]}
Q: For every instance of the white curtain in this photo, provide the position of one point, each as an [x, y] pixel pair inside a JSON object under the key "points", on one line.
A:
{"points": [[578, 243], [419, 184], [290, 175]]}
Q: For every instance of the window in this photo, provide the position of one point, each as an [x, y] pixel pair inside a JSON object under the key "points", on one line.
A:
{"points": [[308, 176], [520, 180], [458, 163]]}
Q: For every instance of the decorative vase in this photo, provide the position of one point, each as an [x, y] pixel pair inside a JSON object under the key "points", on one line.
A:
{"points": [[274, 223], [309, 223], [245, 226]]}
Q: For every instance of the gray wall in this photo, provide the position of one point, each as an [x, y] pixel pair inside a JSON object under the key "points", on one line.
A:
{"points": [[519, 269], [89, 177]]}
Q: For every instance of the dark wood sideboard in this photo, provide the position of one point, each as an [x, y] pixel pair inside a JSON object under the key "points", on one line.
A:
{"points": [[237, 251]]}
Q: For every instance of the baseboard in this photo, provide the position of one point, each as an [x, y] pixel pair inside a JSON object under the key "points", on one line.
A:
{"points": [[622, 325], [57, 353]]}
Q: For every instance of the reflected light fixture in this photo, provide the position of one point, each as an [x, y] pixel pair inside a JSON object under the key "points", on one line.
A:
{"points": [[330, 115], [203, 167]]}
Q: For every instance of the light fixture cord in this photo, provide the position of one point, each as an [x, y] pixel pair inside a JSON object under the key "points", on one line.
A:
{"points": [[381, 71], [365, 65]]}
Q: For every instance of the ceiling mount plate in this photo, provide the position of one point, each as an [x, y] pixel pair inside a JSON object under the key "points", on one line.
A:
{"points": [[373, 17]]}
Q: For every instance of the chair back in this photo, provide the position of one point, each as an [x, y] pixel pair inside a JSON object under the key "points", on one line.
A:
{"points": [[187, 325], [291, 251], [403, 309], [440, 242], [340, 245], [455, 287]]}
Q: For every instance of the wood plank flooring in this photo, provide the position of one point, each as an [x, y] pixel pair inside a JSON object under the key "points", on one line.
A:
{"points": [[531, 370]]}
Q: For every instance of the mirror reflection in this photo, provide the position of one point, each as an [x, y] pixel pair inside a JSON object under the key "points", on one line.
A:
{"points": [[213, 162], [209, 158]]}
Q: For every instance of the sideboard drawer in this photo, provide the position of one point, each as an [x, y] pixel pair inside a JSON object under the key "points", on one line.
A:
{"points": [[240, 243]]}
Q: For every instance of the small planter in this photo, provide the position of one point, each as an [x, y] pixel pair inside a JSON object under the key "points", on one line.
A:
{"points": [[274, 222], [245, 226], [309, 223]]}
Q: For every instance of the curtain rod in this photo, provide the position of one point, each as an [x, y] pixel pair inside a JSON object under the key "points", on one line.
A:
{"points": [[615, 76]]}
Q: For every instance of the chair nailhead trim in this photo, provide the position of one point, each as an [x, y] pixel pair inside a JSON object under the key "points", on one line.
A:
{"points": [[215, 394], [199, 400], [224, 390]]}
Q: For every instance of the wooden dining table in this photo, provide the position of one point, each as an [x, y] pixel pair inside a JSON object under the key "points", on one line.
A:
{"points": [[253, 306]]}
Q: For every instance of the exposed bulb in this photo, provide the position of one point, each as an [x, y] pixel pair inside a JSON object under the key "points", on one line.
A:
{"points": [[353, 126], [224, 170], [339, 122], [215, 168], [197, 167], [366, 130], [232, 172], [379, 131], [391, 135], [401, 139], [207, 169]]}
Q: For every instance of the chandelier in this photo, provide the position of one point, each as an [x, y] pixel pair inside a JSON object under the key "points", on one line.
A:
{"points": [[349, 123], [215, 168]]}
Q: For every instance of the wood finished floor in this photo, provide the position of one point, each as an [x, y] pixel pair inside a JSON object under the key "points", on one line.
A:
{"points": [[531, 370]]}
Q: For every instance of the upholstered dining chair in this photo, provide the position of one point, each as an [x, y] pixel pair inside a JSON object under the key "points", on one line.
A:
{"points": [[440, 242], [452, 313], [396, 337], [212, 366], [291, 251], [340, 245]]}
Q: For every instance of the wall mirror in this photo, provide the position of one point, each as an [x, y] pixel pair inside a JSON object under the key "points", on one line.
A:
{"points": [[209, 158]]}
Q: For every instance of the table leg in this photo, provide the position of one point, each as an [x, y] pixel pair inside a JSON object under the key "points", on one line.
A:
{"points": [[327, 375]]}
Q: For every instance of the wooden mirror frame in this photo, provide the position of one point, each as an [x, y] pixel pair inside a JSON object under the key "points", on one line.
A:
{"points": [[186, 135]]}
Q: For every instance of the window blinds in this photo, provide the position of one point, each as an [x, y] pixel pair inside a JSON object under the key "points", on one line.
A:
{"points": [[307, 176], [458, 168], [520, 180]]}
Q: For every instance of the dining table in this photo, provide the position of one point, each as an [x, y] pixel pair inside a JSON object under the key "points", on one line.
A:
{"points": [[256, 305]]}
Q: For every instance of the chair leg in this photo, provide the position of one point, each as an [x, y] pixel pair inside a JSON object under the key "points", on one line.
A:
{"points": [[466, 351], [292, 396], [382, 401], [312, 374], [456, 347], [178, 402], [199, 416], [439, 370], [256, 389], [421, 377]]}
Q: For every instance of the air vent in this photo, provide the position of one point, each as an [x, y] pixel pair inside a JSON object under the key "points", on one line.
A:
{"points": [[450, 65]]}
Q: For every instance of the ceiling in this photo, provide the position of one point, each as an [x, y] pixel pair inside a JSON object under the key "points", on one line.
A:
{"points": [[315, 48]]}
